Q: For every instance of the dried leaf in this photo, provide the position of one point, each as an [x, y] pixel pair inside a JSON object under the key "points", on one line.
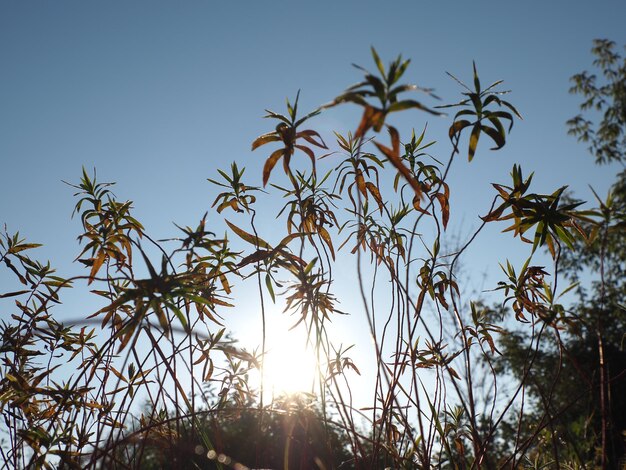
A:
{"points": [[270, 163]]}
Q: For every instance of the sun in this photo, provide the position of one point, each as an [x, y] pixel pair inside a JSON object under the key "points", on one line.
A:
{"points": [[290, 365]]}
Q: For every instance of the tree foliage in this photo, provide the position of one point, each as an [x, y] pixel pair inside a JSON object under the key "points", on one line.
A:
{"points": [[604, 95], [578, 376]]}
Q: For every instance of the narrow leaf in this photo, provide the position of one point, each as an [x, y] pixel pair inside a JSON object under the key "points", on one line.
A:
{"points": [[264, 139], [256, 241], [270, 163], [473, 143]]}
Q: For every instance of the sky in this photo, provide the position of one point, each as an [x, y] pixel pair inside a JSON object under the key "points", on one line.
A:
{"points": [[156, 95]]}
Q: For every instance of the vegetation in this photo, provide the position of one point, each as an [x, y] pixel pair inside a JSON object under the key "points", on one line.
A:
{"points": [[152, 378], [578, 376]]}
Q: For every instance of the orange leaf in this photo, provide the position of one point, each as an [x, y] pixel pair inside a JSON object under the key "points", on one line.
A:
{"points": [[264, 139], [445, 208], [254, 240], [395, 141], [416, 206], [97, 263], [309, 152], [270, 163], [360, 183], [326, 237], [371, 187], [393, 155], [309, 136], [372, 117]]}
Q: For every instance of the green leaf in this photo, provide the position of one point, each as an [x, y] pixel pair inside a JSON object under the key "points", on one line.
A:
{"points": [[408, 104], [496, 136], [24, 246], [310, 266], [457, 127], [256, 241], [476, 79], [179, 315], [270, 288], [402, 88], [512, 108], [378, 62], [473, 143]]}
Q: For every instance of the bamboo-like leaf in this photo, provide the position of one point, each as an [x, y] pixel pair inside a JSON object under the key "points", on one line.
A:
{"points": [[495, 214], [97, 263], [256, 241], [378, 86], [161, 316], [312, 137], [360, 183], [313, 113], [327, 240], [373, 190], [270, 288], [512, 108], [126, 334], [238, 353], [372, 117], [565, 236], [476, 79], [270, 163], [378, 62], [309, 152], [225, 283], [118, 374], [395, 141], [209, 373], [445, 209], [259, 141], [473, 143], [409, 104], [181, 317], [500, 115], [496, 136], [14, 249], [204, 310], [417, 206], [14, 294], [255, 257], [285, 241], [280, 117], [309, 267], [457, 127], [393, 155], [453, 373], [351, 97]]}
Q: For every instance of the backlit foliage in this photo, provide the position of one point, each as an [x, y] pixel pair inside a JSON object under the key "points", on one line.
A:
{"points": [[149, 374]]}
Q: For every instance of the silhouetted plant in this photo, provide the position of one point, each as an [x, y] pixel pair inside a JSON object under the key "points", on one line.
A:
{"points": [[72, 394]]}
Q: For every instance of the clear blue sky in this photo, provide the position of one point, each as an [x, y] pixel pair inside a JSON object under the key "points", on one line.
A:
{"points": [[156, 95]]}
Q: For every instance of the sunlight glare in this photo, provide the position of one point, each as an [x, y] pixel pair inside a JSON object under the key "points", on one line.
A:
{"points": [[290, 365]]}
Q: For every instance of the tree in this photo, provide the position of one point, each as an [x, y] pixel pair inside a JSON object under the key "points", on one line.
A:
{"points": [[69, 393], [607, 139], [578, 376]]}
